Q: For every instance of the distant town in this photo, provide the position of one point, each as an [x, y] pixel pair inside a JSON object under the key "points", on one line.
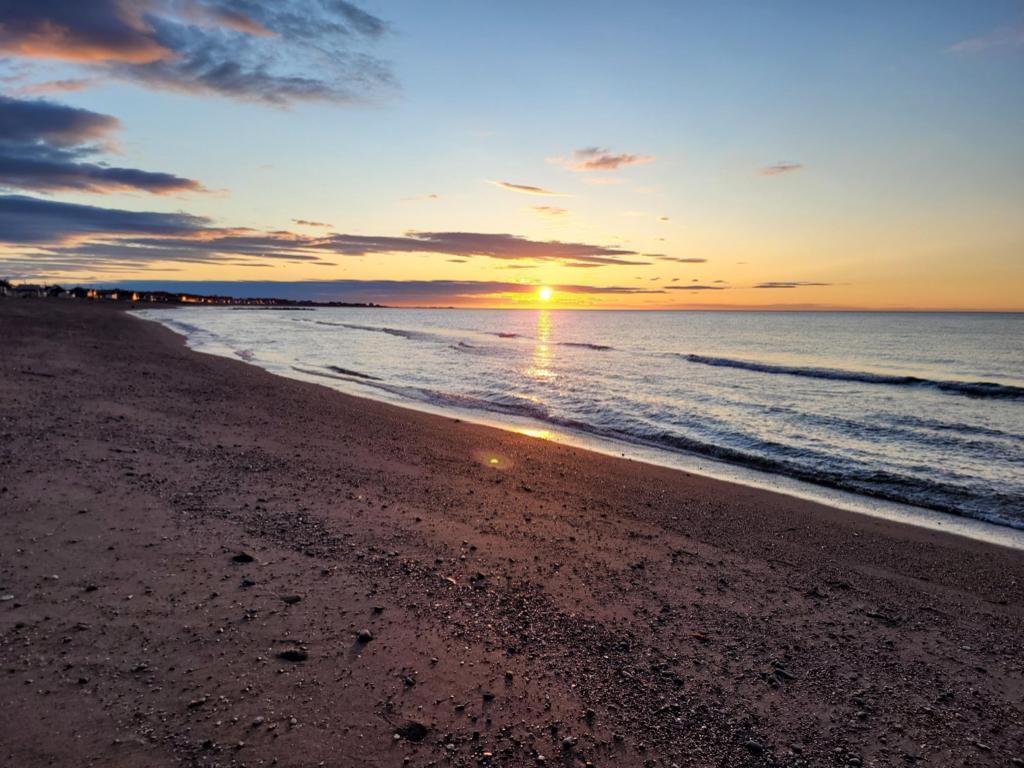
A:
{"points": [[33, 291]]}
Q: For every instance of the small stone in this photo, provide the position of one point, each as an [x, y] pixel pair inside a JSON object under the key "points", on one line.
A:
{"points": [[293, 654], [412, 731], [754, 747], [243, 557], [257, 721], [364, 636], [291, 599]]}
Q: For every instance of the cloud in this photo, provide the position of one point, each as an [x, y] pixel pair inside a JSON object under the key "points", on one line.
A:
{"points": [[422, 292], [26, 121], [789, 284], [503, 247], [601, 159], [696, 287], [682, 260], [550, 211], [44, 146], [69, 85], [279, 52], [308, 223], [526, 189], [32, 220], [89, 237], [779, 168], [1004, 37]]}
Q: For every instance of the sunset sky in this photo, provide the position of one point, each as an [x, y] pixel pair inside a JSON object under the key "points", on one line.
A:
{"points": [[643, 155]]}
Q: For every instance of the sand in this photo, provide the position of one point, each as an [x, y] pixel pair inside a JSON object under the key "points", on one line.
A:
{"points": [[204, 564]]}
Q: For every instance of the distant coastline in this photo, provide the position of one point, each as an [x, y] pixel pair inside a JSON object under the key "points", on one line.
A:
{"points": [[130, 295]]}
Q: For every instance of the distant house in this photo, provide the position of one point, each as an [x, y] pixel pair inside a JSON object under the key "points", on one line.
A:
{"points": [[5, 288], [29, 291]]}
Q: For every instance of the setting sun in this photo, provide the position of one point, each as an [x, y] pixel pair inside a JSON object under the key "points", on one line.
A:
{"points": [[544, 294]]}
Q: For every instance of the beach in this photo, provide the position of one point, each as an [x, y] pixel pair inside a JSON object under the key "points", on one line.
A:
{"points": [[202, 563]]}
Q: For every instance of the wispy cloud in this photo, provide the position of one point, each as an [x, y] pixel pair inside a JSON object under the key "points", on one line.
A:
{"points": [[280, 52], [601, 159], [682, 260], [527, 189], [47, 147], [789, 284], [308, 223], [779, 168], [48, 87], [550, 211], [1004, 37], [696, 287]]}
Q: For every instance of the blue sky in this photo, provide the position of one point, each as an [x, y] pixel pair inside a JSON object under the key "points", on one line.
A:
{"points": [[900, 126]]}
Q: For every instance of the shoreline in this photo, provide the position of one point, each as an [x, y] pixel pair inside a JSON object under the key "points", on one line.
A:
{"points": [[193, 547], [988, 531]]}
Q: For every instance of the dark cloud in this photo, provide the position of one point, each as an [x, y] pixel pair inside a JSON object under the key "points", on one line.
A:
{"points": [[696, 288], [90, 237], [526, 189], [601, 159], [780, 168], [279, 52], [45, 147], [456, 244], [789, 284], [27, 121], [308, 223], [98, 30], [32, 220]]}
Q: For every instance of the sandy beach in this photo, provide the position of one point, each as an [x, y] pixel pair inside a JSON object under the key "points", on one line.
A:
{"points": [[204, 564]]}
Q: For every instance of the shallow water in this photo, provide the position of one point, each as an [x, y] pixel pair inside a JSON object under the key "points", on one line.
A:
{"points": [[924, 409]]}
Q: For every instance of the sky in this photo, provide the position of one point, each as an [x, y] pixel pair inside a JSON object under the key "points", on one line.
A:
{"points": [[649, 155]]}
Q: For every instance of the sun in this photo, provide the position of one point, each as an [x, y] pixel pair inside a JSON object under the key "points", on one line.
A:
{"points": [[544, 294]]}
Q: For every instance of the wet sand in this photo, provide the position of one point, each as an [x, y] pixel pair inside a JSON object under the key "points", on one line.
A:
{"points": [[204, 564]]}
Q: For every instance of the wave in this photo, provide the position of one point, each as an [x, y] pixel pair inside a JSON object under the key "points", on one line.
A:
{"points": [[347, 372], [980, 389], [820, 469], [584, 345], [399, 332]]}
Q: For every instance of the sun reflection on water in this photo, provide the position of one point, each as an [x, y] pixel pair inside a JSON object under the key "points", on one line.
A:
{"points": [[540, 363]]}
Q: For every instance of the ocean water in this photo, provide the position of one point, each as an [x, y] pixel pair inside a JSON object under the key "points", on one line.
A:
{"points": [[921, 409]]}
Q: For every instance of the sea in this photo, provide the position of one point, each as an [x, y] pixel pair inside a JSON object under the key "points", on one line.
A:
{"points": [[907, 413]]}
